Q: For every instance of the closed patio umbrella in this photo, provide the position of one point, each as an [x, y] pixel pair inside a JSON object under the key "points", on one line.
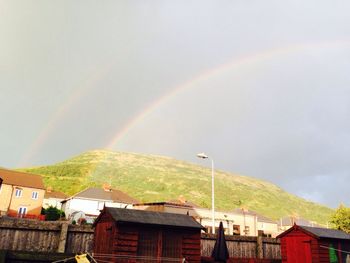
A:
{"points": [[220, 251]]}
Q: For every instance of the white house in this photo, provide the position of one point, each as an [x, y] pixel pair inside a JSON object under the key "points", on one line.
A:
{"points": [[264, 225], [88, 203], [53, 198], [237, 222], [288, 221]]}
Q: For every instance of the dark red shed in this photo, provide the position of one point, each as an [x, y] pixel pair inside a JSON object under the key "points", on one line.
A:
{"points": [[302, 244], [127, 235]]}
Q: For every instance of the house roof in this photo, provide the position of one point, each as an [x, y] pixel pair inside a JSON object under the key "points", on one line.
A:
{"points": [[16, 178], [260, 218], [185, 202], [151, 218], [55, 194], [265, 219], [112, 195], [164, 204], [318, 232], [289, 221]]}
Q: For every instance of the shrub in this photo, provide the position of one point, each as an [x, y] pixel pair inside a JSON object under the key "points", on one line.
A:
{"points": [[53, 213]]}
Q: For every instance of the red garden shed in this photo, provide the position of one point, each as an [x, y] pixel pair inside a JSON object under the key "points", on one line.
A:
{"points": [[127, 235], [303, 244]]}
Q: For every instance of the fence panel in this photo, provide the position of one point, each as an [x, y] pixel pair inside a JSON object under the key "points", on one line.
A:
{"points": [[39, 236], [243, 246]]}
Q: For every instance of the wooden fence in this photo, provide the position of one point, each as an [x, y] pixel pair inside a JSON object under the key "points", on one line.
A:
{"points": [[39, 236], [244, 247], [32, 235]]}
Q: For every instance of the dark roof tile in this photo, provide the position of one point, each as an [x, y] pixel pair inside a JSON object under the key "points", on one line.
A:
{"points": [[326, 233], [101, 194], [152, 218]]}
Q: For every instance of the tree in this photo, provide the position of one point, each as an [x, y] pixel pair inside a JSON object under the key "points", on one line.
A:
{"points": [[341, 218]]}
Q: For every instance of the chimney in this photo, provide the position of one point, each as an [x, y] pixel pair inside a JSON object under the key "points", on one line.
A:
{"points": [[244, 209], [107, 187], [182, 199]]}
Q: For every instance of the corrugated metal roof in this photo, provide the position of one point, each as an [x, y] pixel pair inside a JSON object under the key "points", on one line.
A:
{"points": [[326, 233], [101, 194], [16, 178], [152, 218]]}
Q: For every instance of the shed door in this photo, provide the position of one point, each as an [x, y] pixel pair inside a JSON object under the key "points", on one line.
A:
{"points": [[148, 245], [298, 250], [159, 246], [172, 245]]}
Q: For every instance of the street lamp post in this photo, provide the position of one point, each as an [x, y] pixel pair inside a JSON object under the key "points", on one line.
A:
{"points": [[204, 156]]}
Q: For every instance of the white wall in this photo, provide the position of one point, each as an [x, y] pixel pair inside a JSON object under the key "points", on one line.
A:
{"points": [[52, 202], [268, 228], [229, 219], [88, 206]]}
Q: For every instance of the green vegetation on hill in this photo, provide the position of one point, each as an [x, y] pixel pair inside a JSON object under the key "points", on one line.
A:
{"points": [[151, 178]]}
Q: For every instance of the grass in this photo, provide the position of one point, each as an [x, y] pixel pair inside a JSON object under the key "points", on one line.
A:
{"points": [[155, 178]]}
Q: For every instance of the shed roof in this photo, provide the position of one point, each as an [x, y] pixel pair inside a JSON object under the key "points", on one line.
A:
{"points": [[326, 233], [318, 232], [17, 178], [151, 218]]}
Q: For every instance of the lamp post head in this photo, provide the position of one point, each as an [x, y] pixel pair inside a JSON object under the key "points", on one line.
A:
{"points": [[202, 155]]}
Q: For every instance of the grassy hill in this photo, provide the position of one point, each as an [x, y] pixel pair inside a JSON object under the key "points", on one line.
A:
{"points": [[156, 178]]}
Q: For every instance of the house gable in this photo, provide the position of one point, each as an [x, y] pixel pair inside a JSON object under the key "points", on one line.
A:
{"points": [[21, 193], [16, 178]]}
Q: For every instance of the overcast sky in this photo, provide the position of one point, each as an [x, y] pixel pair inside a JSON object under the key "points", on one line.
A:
{"points": [[260, 86]]}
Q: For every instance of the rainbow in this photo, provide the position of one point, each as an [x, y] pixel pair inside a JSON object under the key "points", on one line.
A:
{"points": [[91, 83], [232, 65], [58, 115]]}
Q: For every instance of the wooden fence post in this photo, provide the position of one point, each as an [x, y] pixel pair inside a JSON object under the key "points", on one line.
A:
{"points": [[259, 247], [63, 238]]}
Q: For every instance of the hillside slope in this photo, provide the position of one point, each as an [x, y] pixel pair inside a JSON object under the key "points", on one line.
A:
{"points": [[155, 178]]}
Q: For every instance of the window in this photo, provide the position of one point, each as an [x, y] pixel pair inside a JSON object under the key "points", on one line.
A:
{"points": [[236, 230], [246, 230], [18, 192], [35, 195], [22, 211], [261, 233]]}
